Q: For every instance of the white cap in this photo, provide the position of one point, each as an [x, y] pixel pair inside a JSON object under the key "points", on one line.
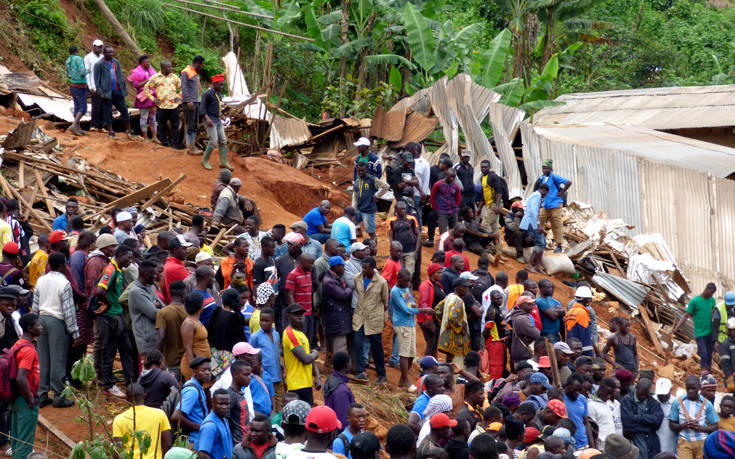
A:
{"points": [[468, 275], [202, 256], [583, 292], [123, 216], [663, 386], [731, 322], [362, 142], [357, 246], [97, 42]]}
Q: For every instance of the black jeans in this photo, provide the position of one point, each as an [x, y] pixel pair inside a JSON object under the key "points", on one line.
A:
{"points": [[115, 338], [306, 394], [168, 137], [96, 114], [118, 100], [192, 118]]}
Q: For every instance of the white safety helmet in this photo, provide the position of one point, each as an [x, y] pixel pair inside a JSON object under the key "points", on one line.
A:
{"points": [[583, 292]]}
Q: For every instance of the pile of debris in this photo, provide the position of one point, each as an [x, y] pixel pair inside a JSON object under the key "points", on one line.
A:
{"points": [[639, 271], [34, 173]]}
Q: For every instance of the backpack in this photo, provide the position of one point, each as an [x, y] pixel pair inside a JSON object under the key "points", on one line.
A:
{"points": [[173, 401], [9, 372], [346, 443]]}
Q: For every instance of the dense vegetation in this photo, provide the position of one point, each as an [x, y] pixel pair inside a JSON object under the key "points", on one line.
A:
{"points": [[369, 52]]}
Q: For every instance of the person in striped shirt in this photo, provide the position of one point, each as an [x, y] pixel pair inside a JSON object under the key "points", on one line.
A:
{"points": [[692, 417]]}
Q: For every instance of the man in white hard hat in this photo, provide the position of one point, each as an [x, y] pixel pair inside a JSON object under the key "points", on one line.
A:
{"points": [[577, 320], [364, 155]]}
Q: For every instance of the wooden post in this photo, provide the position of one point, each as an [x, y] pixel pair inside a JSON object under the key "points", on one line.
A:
{"points": [[117, 27], [20, 199], [554, 366], [44, 193], [650, 330]]}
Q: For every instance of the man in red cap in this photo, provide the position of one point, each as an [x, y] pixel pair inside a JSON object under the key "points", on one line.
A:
{"points": [[213, 121], [322, 427], [441, 431], [10, 272]]}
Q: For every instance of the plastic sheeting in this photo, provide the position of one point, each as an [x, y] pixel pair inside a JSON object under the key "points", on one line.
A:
{"points": [[239, 92]]}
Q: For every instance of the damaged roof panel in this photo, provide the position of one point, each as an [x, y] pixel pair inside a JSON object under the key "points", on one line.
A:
{"points": [[389, 125], [287, 132], [417, 128], [629, 292]]}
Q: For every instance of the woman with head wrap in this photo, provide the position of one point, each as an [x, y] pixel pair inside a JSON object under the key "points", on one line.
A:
{"points": [[441, 403], [265, 296]]}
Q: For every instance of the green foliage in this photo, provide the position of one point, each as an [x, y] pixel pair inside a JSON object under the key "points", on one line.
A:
{"points": [[366, 100]]}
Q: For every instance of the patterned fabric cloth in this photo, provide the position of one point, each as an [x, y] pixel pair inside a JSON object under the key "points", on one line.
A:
{"points": [[221, 361], [166, 88], [454, 334], [75, 70]]}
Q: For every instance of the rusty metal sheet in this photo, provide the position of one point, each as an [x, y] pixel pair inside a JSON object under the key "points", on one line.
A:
{"points": [[287, 132], [388, 125], [417, 128]]}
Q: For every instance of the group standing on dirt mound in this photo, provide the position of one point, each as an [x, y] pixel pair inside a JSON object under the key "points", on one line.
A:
{"points": [[226, 349]]}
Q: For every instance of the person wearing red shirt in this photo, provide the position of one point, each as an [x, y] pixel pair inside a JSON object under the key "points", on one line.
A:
{"points": [[393, 264], [174, 269], [298, 290], [25, 406], [458, 245]]}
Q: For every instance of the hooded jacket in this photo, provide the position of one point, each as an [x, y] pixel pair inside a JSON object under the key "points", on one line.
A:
{"points": [[338, 396], [96, 262], [245, 451], [336, 304], [523, 334], [157, 384]]}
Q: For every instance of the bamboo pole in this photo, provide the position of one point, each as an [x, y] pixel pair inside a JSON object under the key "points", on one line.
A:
{"points": [[224, 7]]}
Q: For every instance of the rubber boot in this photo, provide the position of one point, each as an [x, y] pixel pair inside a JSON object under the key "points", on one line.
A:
{"points": [[223, 157], [205, 159]]}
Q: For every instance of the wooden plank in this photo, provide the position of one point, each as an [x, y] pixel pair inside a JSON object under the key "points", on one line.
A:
{"points": [[139, 195], [20, 199], [554, 365], [22, 174], [61, 436], [34, 193], [649, 328], [163, 192], [44, 193]]}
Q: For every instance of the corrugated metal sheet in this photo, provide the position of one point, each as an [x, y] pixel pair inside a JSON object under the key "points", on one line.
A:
{"points": [[531, 154], [724, 196], [389, 125], [440, 107], [629, 292], [288, 131], [417, 127], [505, 121], [648, 143], [655, 108]]}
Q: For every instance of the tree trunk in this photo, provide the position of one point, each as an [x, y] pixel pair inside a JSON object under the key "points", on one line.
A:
{"points": [[117, 27], [343, 59], [361, 64]]}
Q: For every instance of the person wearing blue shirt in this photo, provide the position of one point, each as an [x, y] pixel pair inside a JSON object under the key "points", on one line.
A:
{"points": [[215, 439], [192, 409], [686, 411], [344, 229], [366, 156], [356, 419], [576, 404], [269, 342], [550, 310], [261, 386], [553, 201], [433, 385], [532, 226], [63, 221], [316, 222]]}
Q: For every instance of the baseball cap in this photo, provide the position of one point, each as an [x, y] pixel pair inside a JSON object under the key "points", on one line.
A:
{"points": [[18, 289], [558, 407], [295, 411], [523, 299], [235, 181], [244, 348], [623, 375], [539, 377], [322, 419], [466, 153], [362, 142], [123, 216], [177, 242], [440, 420], [428, 362], [106, 240], [294, 308], [364, 444], [9, 293], [357, 246], [293, 238], [598, 364], [198, 361], [11, 248], [299, 224], [335, 261], [532, 434], [98, 42], [517, 205], [563, 433], [495, 426], [56, 236], [463, 282], [663, 386], [406, 156], [468, 275], [132, 210], [203, 256], [564, 347], [544, 362]]}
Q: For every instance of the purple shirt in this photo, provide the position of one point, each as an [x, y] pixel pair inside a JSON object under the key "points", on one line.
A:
{"points": [[76, 262], [445, 197], [338, 396]]}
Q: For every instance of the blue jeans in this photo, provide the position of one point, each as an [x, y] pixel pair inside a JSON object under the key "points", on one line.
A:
{"points": [[321, 237], [417, 201], [538, 238], [361, 351], [79, 96], [394, 358], [705, 347], [369, 220]]}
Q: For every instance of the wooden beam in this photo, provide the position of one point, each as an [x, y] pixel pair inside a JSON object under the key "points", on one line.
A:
{"points": [[139, 195], [244, 24], [34, 193], [22, 174], [163, 192], [554, 366], [44, 193], [650, 330], [61, 436], [20, 199], [224, 7]]}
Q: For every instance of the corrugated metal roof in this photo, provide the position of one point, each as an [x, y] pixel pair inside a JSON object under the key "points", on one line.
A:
{"points": [[655, 108], [629, 292], [647, 143], [288, 131], [505, 121]]}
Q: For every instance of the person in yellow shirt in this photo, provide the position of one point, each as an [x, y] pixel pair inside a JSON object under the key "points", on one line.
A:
{"points": [[139, 417], [37, 265], [265, 297], [301, 375], [6, 232]]}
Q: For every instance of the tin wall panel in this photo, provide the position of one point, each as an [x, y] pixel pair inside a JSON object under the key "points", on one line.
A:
{"points": [[725, 231]]}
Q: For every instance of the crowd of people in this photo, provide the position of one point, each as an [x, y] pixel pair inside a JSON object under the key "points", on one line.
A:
{"points": [[225, 350]]}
